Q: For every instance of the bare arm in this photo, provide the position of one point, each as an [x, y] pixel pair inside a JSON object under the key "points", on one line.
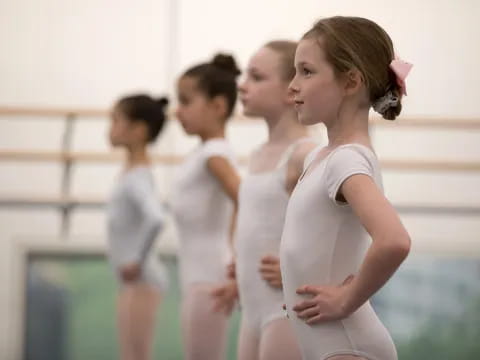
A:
{"points": [[226, 174], [391, 242]]}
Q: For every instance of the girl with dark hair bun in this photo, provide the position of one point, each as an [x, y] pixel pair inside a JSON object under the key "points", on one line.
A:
{"points": [[135, 218], [204, 203]]}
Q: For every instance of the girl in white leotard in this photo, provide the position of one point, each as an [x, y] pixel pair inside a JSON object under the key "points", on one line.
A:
{"points": [[135, 218], [204, 200], [274, 169], [344, 65]]}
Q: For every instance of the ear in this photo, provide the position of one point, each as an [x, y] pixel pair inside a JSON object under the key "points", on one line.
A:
{"points": [[353, 81], [140, 130], [219, 106]]}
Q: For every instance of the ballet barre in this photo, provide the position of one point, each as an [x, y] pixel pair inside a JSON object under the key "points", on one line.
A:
{"points": [[59, 113], [168, 159], [65, 202]]}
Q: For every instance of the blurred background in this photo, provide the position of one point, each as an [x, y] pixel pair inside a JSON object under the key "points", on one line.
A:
{"points": [[64, 63]]}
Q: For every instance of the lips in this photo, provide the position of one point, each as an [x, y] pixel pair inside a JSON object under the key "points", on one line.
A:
{"points": [[298, 103]]}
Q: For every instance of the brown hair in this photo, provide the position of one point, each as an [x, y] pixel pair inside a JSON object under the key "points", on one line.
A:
{"points": [[286, 50], [358, 43], [217, 77]]}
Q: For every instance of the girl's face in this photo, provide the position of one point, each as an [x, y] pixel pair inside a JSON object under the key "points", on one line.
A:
{"points": [[194, 109], [318, 93], [119, 128], [263, 91], [124, 132]]}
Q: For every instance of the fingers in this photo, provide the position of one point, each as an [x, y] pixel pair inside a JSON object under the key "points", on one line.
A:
{"points": [[308, 313], [217, 292], [231, 270], [219, 301], [306, 304], [309, 290], [269, 268], [229, 308], [316, 319], [224, 304], [270, 259], [276, 284], [348, 280], [271, 276], [126, 275], [273, 280]]}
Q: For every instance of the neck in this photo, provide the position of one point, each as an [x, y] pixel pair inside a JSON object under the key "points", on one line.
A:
{"points": [[284, 127], [137, 156], [351, 126], [216, 131]]}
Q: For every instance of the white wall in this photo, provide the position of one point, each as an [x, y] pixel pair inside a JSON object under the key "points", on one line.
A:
{"points": [[81, 53], [87, 53]]}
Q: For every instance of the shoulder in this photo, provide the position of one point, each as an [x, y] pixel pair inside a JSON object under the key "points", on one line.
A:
{"points": [[216, 147]]}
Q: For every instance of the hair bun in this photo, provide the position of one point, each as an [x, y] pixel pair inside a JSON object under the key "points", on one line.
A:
{"points": [[227, 63], [163, 101], [389, 105]]}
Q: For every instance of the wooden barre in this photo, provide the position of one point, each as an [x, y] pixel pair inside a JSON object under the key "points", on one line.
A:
{"points": [[16, 155], [407, 121], [391, 164], [51, 112], [98, 203]]}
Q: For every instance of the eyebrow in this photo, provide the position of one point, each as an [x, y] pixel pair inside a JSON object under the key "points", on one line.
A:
{"points": [[303, 63]]}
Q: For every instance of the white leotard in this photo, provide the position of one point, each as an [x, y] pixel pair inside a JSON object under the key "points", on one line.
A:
{"points": [[323, 242], [263, 200], [135, 218], [203, 214]]}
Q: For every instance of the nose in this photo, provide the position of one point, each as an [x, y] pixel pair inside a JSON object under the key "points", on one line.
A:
{"points": [[242, 87], [177, 113], [293, 87]]}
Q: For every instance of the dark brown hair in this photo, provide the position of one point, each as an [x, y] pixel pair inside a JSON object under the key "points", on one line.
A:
{"points": [[217, 78], [143, 108]]}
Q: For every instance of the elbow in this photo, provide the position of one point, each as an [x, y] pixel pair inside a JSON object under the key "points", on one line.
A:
{"points": [[401, 246], [156, 222], [159, 223], [404, 246], [397, 247]]}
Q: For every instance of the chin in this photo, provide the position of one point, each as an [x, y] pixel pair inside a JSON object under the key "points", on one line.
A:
{"points": [[115, 143], [249, 112], [189, 132]]}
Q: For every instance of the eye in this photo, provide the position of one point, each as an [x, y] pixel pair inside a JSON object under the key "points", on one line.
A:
{"points": [[183, 100], [256, 77], [306, 71]]}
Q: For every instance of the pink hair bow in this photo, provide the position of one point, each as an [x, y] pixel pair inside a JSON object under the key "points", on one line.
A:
{"points": [[401, 69]]}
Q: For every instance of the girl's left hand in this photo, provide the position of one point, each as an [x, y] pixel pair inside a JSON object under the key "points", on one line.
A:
{"points": [[131, 272], [327, 304], [225, 297]]}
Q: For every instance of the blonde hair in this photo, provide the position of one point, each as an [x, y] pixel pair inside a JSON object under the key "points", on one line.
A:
{"points": [[286, 49]]}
